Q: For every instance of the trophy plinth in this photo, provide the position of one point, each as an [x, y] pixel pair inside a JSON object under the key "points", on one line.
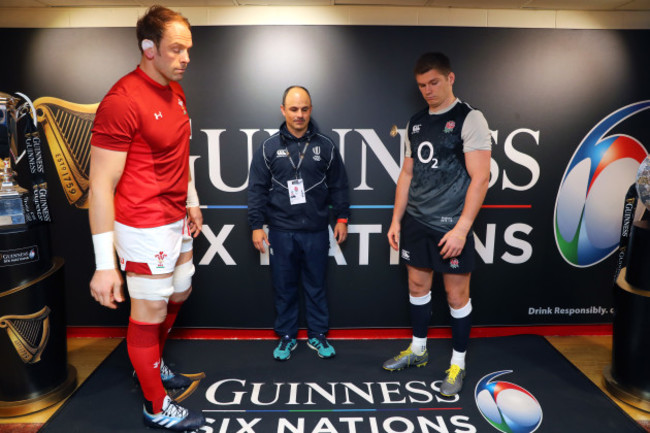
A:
{"points": [[32, 307], [12, 200], [638, 271]]}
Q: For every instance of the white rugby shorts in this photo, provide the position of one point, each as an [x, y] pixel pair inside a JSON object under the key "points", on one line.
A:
{"points": [[151, 251]]}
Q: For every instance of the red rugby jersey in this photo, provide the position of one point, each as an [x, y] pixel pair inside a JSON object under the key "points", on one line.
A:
{"points": [[149, 122]]}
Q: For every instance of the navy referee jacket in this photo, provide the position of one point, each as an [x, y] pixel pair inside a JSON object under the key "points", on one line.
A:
{"points": [[323, 174]]}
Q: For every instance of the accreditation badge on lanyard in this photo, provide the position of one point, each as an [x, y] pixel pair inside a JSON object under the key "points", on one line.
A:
{"points": [[296, 191], [296, 186]]}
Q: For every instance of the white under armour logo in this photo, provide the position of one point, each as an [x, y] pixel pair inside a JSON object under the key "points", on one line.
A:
{"points": [[158, 115]]}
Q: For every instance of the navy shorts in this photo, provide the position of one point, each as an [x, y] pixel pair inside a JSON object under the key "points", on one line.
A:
{"points": [[419, 248]]}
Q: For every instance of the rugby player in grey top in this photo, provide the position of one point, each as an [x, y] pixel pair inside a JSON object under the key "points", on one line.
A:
{"points": [[440, 190]]}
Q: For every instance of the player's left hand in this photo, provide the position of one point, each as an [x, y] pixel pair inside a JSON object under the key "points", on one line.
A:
{"points": [[195, 220], [451, 244], [340, 232]]}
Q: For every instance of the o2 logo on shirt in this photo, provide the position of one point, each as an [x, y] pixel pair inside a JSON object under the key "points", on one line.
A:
{"points": [[428, 158]]}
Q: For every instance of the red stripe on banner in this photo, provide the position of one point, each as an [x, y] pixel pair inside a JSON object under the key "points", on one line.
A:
{"points": [[440, 408], [507, 206], [348, 334]]}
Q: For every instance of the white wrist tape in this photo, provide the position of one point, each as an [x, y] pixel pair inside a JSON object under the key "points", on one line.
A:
{"points": [[192, 196], [104, 251]]}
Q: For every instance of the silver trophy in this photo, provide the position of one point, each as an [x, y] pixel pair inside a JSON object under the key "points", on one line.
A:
{"points": [[16, 203], [643, 182], [8, 124], [638, 249], [12, 198]]}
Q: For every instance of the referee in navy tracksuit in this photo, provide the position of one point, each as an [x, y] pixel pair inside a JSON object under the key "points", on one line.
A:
{"points": [[295, 176]]}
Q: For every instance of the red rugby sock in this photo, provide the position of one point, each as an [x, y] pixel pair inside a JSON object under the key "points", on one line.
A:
{"points": [[166, 326], [142, 345]]}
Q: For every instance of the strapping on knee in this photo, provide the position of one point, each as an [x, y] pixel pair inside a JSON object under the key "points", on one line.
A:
{"points": [[150, 289], [182, 278]]}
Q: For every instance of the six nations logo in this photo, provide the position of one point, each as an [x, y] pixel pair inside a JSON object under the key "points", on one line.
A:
{"points": [[589, 204], [508, 407]]}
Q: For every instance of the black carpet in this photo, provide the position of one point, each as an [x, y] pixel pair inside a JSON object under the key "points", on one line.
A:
{"points": [[246, 391]]}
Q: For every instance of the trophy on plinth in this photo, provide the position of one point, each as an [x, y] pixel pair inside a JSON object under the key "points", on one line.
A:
{"points": [[628, 377], [34, 373]]}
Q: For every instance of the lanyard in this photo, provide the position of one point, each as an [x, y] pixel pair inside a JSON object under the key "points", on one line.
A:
{"points": [[301, 155]]}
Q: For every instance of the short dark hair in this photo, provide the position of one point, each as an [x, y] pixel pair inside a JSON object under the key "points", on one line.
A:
{"points": [[288, 89], [429, 61], [152, 24]]}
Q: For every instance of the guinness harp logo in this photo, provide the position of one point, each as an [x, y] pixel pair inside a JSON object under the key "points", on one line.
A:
{"points": [[67, 127], [29, 333]]}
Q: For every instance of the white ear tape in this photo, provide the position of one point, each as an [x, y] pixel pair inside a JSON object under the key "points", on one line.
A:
{"points": [[146, 44]]}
